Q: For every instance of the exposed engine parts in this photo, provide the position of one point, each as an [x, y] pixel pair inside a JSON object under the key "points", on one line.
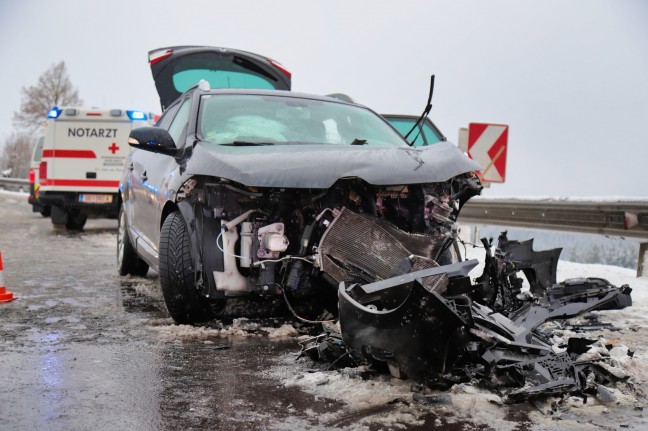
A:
{"points": [[304, 242]]}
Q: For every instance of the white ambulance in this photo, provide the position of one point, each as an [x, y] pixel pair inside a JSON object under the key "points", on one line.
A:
{"points": [[82, 159]]}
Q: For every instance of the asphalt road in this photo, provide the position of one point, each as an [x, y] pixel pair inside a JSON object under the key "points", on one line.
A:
{"points": [[77, 351], [83, 348]]}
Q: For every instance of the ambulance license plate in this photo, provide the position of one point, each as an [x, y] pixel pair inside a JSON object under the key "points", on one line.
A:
{"points": [[95, 199]]}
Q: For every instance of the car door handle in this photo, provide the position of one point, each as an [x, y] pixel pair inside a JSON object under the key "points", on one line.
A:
{"points": [[143, 176]]}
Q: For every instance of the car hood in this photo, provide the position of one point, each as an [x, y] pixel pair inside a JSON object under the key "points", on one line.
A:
{"points": [[320, 166]]}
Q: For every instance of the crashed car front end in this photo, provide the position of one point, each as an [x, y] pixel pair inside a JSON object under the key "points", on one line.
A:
{"points": [[304, 242], [292, 194]]}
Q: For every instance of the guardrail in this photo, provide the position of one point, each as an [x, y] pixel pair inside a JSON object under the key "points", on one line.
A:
{"points": [[18, 181], [607, 217], [614, 217]]}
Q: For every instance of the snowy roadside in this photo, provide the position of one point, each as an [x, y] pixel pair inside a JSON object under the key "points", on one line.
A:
{"points": [[383, 402], [390, 403], [483, 408], [16, 194]]}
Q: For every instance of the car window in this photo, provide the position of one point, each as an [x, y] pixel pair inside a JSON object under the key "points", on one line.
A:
{"points": [[225, 119], [220, 72], [179, 123], [165, 121], [219, 79], [424, 135]]}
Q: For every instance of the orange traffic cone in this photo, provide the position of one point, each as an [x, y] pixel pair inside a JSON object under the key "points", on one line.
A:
{"points": [[5, 295]]}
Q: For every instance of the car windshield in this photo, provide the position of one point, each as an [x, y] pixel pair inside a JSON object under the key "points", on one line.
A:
{"points": [[242, 119], [422, 135]]}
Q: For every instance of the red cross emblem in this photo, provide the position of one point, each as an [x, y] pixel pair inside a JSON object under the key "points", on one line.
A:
{"points": [[113, 148]]}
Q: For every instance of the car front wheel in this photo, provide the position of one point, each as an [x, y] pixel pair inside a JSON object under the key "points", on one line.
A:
{"points": [[128, 262], [177, 273]]}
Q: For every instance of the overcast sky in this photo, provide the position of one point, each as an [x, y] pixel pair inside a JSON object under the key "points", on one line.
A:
{"points": [[570, 78]]}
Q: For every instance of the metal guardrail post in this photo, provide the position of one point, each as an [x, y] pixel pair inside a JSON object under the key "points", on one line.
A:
{"points": [[642, 264]]}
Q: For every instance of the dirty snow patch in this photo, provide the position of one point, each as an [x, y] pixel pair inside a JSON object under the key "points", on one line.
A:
{"points": [[242, 327]]}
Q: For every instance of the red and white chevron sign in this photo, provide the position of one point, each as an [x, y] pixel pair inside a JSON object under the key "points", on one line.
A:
{"points": [[487, 146]]}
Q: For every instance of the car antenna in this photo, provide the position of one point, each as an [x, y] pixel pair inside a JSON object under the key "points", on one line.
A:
{"points": [[426, 111]]}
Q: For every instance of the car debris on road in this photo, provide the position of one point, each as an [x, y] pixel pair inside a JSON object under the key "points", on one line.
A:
{"points": [[453, 331]]}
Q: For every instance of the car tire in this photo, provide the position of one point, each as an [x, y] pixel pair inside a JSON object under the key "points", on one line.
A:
{"points": [[76, 221], [128, 262], [177, 273]]}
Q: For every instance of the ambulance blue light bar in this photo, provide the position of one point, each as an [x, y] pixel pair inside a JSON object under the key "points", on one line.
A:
{"points": [[136, 115], [54, 112]]}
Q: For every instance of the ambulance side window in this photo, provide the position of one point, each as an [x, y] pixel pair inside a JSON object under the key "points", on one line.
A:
{"points": [[178, 126], [39, 149]]}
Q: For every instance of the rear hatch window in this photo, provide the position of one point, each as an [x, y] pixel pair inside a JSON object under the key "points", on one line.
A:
{"points": [[177, 69]]}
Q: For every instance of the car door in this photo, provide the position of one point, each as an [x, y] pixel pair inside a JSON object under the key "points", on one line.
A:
{"points": [[176, 69], [141, 191], [157, 168]]}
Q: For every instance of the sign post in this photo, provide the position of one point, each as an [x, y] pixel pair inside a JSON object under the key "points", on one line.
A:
{"points": [[487, 144]]}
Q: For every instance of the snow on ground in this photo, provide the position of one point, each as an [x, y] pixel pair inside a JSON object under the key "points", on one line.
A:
{"points": [[484, 408], [241, 328], [391, 403]]}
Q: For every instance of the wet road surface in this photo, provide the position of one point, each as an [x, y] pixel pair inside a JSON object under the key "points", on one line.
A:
{"points": [[78, 350], [83, 348]]}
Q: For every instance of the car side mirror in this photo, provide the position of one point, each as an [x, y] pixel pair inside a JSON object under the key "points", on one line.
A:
{"points": [[153, 139]]}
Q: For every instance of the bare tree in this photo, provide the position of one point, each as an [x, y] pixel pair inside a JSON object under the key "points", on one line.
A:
{"points": [[53, 89], [16, 155]]}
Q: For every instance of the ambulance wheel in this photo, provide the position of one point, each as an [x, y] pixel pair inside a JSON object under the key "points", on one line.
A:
{"points": [[128, 262], [177, 273], [75, 221]]}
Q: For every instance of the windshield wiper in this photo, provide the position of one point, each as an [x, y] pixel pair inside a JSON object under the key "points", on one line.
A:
{"points": [[357, 141], [248, 143], [425, 113]]}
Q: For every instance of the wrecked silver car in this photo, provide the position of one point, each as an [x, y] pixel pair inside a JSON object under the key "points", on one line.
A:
{"points": [[269, 192], [246, 189]]}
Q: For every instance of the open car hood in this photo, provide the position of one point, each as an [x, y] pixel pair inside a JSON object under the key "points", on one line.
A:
{"points": [[320, 166], [176, 69]]}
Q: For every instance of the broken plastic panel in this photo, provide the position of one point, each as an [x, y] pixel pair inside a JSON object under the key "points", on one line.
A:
{"points": [[443, 337]]}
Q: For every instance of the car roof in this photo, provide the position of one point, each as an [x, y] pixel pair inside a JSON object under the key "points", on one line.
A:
{"points": [[282, 93]]}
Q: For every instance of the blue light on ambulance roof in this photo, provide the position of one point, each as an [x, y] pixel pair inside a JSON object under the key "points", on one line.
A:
{"points": [[136, 115], [54, 112]]}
